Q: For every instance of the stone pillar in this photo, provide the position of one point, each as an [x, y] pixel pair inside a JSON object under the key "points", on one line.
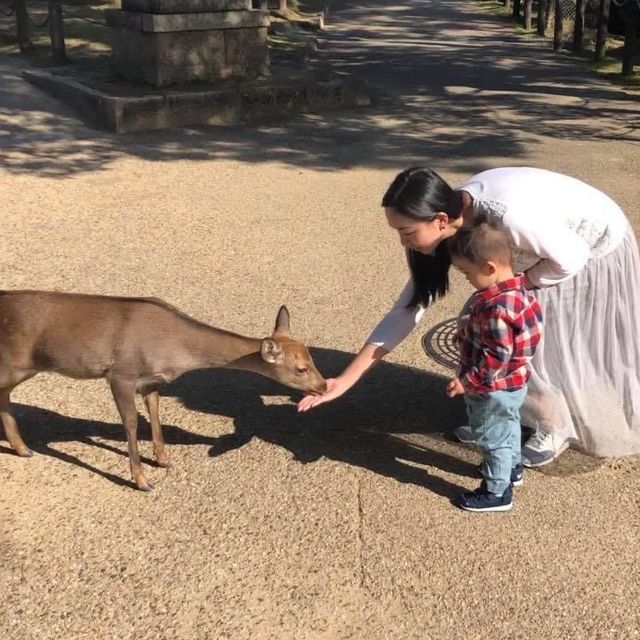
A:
{"points": [[164, 42]]}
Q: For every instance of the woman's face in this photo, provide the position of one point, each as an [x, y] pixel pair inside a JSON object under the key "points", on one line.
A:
{"points": [[423, 236]]}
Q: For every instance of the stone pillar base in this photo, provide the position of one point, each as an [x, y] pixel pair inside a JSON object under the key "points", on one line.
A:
{"points": [[168, 48]]}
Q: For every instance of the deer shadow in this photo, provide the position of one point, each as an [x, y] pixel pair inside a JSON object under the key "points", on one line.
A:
{"points": [[42, 428], [366, 428]]}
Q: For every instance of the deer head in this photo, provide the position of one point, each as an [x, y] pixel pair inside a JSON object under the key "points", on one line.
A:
{"points": [[287, 360]]}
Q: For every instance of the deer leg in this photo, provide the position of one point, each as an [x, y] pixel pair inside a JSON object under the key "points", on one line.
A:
{"points": [[11, 426], [152, 400], [124, 394]]}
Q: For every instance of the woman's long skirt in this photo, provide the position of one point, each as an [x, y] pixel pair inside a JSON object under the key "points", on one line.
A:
{"points": [[585, 382]]}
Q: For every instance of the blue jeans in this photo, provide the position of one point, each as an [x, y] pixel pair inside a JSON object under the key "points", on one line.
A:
{"points": [[494, 419]]}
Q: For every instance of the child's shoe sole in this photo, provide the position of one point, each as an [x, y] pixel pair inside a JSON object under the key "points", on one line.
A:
{"points": [[502, 507]]}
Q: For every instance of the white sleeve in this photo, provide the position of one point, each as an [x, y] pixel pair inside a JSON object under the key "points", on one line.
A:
{"points": [[562, 252], [398, 323]]}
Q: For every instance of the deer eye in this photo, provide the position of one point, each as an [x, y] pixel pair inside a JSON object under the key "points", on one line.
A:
{"points": [[302, 369]]}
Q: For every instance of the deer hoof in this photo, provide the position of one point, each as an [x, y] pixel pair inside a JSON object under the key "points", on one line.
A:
{"points": [[165, 464], [24, 453], [145, 487]]}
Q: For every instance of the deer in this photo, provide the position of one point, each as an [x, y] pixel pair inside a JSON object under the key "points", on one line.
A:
{"points": [[135, 344]]}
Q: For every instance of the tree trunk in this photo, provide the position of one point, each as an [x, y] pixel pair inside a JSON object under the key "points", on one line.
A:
{"points": [[282, 5], [527, 14], [601, 34], [578, 27], [557, 26], [56, 31], [22, 26], [540, 17], [630, 37], [516, 8], [507, 4], [543, 16]]}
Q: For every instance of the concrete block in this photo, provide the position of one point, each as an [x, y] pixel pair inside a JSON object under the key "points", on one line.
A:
{"points": [[245, 102], [162, 59], [246, 51]]}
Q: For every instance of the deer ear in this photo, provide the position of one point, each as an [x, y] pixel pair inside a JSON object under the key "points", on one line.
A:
{"points": [[270, 350], [282, 321]]}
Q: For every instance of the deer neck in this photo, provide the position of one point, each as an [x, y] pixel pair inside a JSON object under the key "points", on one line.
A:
{"points": [[210, 347]]}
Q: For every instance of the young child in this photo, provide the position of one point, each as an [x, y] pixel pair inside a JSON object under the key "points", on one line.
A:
{"points": [[496, 342]]}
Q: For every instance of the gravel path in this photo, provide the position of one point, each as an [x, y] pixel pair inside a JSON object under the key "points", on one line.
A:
{"points": [[336, 524]]}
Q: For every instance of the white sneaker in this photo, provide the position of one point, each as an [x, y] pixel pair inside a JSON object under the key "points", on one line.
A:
{"points": [[463, 434], [542, 448]]}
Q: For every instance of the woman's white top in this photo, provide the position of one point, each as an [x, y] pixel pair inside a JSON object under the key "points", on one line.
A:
{"points": [[555, 223]]}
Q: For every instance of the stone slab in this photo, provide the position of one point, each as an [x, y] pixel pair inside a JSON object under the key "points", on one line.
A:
{"points": [[185, 6], [245, 102], [163, 23]]}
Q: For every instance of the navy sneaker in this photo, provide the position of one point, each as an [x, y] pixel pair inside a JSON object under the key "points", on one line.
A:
{"points": [[482, 500], [516, 475], [463, 434]]}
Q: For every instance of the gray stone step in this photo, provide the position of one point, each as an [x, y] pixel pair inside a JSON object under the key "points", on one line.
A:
{"points": [[244, 102]]}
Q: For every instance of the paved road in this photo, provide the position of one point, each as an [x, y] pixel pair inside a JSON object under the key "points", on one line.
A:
{"points": [[336, 524]]}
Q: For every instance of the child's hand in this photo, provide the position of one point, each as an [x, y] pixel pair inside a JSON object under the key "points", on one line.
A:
{"points": [[454, 388]]}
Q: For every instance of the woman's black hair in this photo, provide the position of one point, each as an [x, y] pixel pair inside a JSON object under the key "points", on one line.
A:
{"points": [[420, 193]]}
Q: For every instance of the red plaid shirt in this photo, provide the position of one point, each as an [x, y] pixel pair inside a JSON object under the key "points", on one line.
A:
{"points": [[499, 338]]}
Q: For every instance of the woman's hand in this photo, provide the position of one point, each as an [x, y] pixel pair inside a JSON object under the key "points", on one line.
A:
{"points": [[454, 388], [335, 388], [368, 357]]}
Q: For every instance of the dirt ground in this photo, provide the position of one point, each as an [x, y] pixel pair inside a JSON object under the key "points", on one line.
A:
{"points": [[336, 524]]}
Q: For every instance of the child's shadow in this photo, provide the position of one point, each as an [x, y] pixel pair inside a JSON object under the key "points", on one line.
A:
{"points": [[362, 428]]}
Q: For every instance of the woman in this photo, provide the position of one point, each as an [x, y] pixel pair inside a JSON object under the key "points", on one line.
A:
{"points": [[579, 253]]}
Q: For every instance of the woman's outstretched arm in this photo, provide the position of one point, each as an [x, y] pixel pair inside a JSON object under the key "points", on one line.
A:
{"points": [[394, 327], [367, 358]]}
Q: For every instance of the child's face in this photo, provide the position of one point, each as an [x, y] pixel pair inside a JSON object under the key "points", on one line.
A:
{"points": [[480, 276]]}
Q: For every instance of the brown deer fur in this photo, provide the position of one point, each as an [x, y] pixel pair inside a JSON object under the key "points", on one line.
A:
{"points": [[135, 344]]}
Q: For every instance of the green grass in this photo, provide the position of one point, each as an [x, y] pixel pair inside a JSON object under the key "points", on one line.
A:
{"points": [[83, 37], [610, 68], [498, 10]]}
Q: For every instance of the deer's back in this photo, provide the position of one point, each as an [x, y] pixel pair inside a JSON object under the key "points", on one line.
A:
{"points": [[82, 335]]}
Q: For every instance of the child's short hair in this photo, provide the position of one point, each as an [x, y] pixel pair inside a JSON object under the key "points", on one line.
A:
{"points": [[480, 241]]}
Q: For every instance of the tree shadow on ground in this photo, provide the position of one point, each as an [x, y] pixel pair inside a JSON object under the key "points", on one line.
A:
{"points": [[370, 428], [440, 94]]}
